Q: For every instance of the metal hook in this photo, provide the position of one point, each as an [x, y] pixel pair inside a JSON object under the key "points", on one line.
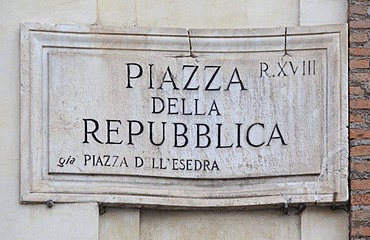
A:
{"points": [[301, 208], [285, 43], [102, 209], [333, 206], [286, 208]]}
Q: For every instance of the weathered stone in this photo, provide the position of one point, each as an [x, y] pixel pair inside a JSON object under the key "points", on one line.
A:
{"points": [[197, 118], [321, 224], [314, 12], [210, 225]]}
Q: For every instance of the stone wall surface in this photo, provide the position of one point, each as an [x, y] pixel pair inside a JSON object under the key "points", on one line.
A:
{"points": [[359, 89], [82, 221]]}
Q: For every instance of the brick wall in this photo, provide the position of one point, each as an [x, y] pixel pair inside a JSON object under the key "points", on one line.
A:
{"points": [[359, 90]]}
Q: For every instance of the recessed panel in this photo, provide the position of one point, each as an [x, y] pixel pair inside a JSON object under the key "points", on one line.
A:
{"points": [[198, 118]]}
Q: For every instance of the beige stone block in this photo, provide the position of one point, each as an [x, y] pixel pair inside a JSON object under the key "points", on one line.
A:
{"points": [[63, 221], [272, 13], [9, 184], [59, 11], [315, 12], [218, 225], [217, 14], [324, 224], [119, 223], [117, 13], [9, 97]]}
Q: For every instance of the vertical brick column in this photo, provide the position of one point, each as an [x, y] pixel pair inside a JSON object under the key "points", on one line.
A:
{"points": [[359, 94]]}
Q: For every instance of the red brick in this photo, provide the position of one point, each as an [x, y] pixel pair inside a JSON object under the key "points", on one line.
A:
{"points": [[363, 231], [360, 167], [356, 118], [359, 24], [359, 104], [359, 225], [359, 77], [356, 91], [362, 63], [360, 199], [361, 215], [358, 9], [358, 38], [359, 51], [360, 184], [359, 134], [363, 150]]}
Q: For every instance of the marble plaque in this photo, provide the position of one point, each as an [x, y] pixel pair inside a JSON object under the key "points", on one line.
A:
{"points": [[184, 118]]}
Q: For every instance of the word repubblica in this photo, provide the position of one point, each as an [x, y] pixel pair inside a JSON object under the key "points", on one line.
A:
{"points": [[197, 135]]}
